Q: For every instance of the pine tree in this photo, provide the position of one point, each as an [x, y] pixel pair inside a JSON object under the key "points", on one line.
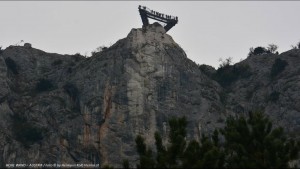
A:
{"points": [[161, 152], [179, 154], [146, 157], [166, 157], [126, 164], [249, 143], [177, 140], [252, 143], [191, 155], [211, 155]]}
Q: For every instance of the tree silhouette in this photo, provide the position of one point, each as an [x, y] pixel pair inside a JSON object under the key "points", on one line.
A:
{"points": [[248, 143], [252, 143], [179, 154], [272, 48]]}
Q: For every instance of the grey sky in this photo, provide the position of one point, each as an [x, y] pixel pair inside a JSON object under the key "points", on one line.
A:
{"points": [[206, 30]]}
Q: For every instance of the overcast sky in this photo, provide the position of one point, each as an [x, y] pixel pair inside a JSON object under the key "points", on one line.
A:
{"points": [[206, 30]]}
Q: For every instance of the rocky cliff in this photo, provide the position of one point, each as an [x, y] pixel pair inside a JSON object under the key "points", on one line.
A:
{"points": [[273, 87], [70, 109]]}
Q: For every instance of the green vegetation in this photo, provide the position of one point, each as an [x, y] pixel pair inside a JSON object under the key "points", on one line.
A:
{"points": [[249, 142], [25, 132], [252, 143], [278, 66], [258, 51], [272, 48], [98, 49], [274, 96], [73, 92], [57, 62], [11, 65], [44, 85], [207, 70], [146, 157], [227, 73], [126, 164], [179, 153], [78, 55], [108, 167], [297, 46]]}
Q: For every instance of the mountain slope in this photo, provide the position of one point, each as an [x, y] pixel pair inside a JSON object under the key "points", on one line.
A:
{"points": [[276, 94], [71, 109], [95, 107]]}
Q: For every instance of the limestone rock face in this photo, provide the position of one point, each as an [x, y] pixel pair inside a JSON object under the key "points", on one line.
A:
{"points": [[277, 96], [71, 109], [135, 86], [31, 119], [89, 110]]}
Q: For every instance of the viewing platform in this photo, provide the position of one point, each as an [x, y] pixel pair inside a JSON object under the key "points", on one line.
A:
{"points": [[147, 13]]}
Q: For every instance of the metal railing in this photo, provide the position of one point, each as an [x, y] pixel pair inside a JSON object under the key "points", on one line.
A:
{"points": [[158, 14]]}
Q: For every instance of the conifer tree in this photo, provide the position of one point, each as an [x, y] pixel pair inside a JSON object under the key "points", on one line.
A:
{"points": [[252, 143], [248, 143], [146, 157]]}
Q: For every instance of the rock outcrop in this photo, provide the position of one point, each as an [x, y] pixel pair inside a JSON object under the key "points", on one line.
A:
{"points": [[135, 86], [71, 109], [276, 95]]}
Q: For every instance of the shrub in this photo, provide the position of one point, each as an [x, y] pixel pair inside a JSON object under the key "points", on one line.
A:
{"points": [[225, 75], [69, 70], [297, 46], [274, 96], [226, 62], [220, 120], [25, 132], [223, 97], [272, 48], [258, 51], [242, 70], [78, 54], [11, 65], [293, 47], [278, 66], [57, 62], [207, 70], [44, 85], [78, 57], [98, 49], [229, 73], [73, 92]]}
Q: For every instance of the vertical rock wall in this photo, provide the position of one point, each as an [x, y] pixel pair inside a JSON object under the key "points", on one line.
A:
{"points": [[95, 107]]}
